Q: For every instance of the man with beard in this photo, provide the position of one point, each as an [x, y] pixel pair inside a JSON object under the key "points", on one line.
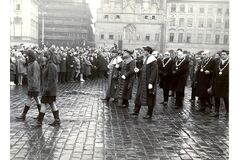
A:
{"points": [[126, 79], [165, 71], [147, 84], [221, 83], [204, 77], [179, 77]]}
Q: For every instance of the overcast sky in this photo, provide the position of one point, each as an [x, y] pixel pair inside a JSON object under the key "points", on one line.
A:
{"points": [[94, 5]]}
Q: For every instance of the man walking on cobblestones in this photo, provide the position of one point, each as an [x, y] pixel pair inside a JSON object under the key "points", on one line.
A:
{"points": [[147, 85], [33, 76]]}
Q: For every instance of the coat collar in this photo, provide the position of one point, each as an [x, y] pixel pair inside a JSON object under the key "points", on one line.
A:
{"points": [[150, 59]]}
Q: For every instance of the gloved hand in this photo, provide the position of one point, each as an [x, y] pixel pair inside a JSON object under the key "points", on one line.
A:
{"points": [[136, 69], [150, 86], [123, 77], [117, 65]]}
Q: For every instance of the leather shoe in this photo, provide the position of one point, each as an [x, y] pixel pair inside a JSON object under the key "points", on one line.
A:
{"points": [[147, 117], [134, 114]]}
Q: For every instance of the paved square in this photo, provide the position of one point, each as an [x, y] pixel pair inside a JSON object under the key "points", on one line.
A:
{"points": [[92, 129]]}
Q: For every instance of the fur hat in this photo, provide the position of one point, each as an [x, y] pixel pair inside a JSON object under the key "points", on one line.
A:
{"points": [[31, 55], [149, 49]]}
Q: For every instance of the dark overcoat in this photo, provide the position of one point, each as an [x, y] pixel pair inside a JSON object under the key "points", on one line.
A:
{"points": [[165, 73], [125, 86], [221, 81], [151, 78], [49, 79], [204, 81], [179, 79]]}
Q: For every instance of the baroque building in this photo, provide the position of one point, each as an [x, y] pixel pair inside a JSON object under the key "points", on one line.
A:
{"points": [[24, 22], [130, 23], [65, 23], [192, 25]]}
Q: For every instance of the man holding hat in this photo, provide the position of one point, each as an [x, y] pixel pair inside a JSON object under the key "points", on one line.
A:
{"points": [[126, 79], [147, 85]]}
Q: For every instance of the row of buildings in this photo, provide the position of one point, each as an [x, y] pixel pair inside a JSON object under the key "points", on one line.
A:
{"points": [[60, 22], [164, 24]]}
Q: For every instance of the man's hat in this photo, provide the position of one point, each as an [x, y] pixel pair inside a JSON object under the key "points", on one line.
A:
{"points": [[149, 49], [128, 51]]}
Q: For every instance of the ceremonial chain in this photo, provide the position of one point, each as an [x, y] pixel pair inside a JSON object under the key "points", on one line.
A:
{"points": [[221, 69], [205, 64], [179, 63], [166, 62]]}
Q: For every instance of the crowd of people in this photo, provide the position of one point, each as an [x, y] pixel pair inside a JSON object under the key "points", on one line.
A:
{"points": [[44, 68]]}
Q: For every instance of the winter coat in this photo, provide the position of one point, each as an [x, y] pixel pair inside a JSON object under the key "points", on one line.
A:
{"points": [[204, 81], [21, 68], [151, 78], [63, 64], [33, 76], [77, 65], [70, 63], [125, 85], [179, 78], [221, 81], [49, 79], [165, 73]]}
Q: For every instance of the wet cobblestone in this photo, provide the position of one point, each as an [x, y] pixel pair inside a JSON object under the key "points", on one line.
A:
{"points": [[91, 129]]}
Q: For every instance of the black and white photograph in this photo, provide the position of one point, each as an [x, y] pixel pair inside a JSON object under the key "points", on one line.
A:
{"points": [[119, 80]]}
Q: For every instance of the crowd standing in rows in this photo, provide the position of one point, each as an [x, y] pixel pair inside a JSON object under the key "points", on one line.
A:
{"points": [[44, 68]]}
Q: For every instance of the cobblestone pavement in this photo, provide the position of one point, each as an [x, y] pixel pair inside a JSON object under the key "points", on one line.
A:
{"points": [[91, 129]]}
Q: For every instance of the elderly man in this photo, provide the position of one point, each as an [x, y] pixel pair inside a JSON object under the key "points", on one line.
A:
{"points": [[147, 85], [179, 77], [165, 72], [221, 83], [204, 77]]}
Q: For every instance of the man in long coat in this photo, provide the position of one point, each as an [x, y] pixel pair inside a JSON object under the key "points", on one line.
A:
{"points": [[221, 83], [147, 84], [126, 79], [204, 78], [165, 72], [179, 77]]}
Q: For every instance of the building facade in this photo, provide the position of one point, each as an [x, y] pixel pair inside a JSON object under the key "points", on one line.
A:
{"points": [[195, 25], [192, 25], [65, 23], [24, 22], [130, 23]]}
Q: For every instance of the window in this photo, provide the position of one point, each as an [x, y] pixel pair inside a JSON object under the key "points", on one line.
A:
{"points": [[182, 8], [171, 37], [201, 23], [190, 9], [173, 8], [153, 17], [180, 37], [189, 22], [106, 16], [227, 12], [225, 40], [138, 36], [181, 22], [199, 38], [18, 7], [210, 11], [217, 38], [102, 36], [209, 23], [146, 17], [208, 38], [147, 38], [218, 23], [189, 38], [201, 10], [226, 26], [157, 35], [117, 16], [219, 11], [111, 36], [172, 22]]}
